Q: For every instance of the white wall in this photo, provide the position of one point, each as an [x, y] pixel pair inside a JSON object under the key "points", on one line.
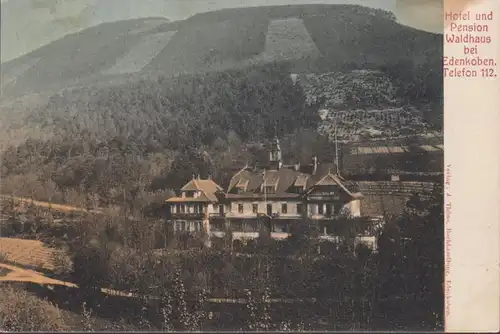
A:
{"points": [[262, 207]]}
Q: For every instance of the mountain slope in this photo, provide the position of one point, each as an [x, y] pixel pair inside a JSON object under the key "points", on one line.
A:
{"points": [[30, 24], [312, 38], [101, 112]]}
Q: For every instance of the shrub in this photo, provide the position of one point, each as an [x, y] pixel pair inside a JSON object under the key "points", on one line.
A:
{"points": [[22, 311], [62, 263]]}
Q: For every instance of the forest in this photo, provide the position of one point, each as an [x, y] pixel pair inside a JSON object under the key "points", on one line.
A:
{"points": [[118, 144]]}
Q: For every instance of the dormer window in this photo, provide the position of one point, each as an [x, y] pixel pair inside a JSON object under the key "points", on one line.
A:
{"points": [[270, 184], [300, 184], [269, 190], [241, 186], [189, 194]]}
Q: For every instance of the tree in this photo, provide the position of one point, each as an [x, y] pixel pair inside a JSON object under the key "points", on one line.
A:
{"points": [[258, 317], [87, 321], [176, 311], [411, 258], [21, 311], [304, 238]]}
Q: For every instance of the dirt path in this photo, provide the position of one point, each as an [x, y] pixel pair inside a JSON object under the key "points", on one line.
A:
{"points": [[53, 206], [17, 274], [20, 254]]}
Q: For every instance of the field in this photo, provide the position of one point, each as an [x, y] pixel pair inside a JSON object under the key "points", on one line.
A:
{"points": [[28, 253]]}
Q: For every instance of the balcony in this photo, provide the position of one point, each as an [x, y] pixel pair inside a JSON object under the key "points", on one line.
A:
{"points": [[217, 234], [331, 238], [187, 215], [245, 235], [247, 215], [323, 215], [288, 215], [280, 235], [217, 215]]}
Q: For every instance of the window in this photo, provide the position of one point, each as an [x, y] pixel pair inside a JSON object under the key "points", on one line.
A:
{"points": [[189, 193], [269, 190], [214, 207], [320, 209], [269, 210], [329, 209], [198, 208], [240, 208], [255, 208], [300, 208], [217, 226], [183, 208], [284, 208], [179, 226], [237, 226]]}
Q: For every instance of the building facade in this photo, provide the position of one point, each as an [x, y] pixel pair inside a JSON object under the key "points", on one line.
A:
{"points": [[270, 198], [197, 201]]}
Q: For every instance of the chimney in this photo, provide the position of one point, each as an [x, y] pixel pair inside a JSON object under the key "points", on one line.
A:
{"points": [[314, 165]]}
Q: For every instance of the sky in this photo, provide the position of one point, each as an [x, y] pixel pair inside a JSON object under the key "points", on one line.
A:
{"points": [[30, 24]]}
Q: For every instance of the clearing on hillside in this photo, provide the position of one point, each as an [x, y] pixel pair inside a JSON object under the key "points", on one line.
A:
{"points": [[141, 54], [288, 39]]}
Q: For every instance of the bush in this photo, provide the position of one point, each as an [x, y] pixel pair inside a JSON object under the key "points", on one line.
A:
{"points": [[22, 311], [62, 263]]}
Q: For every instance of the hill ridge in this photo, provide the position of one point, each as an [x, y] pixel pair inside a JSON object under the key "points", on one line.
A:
{"points": [[343, 35]]}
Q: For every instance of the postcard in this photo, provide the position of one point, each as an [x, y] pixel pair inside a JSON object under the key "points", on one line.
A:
{"points": [[264, 165]]}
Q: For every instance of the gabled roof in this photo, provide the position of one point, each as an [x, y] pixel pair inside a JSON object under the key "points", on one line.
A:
{"points": [[334, 180], [208, 188], [285, 180], [328, 180]]}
